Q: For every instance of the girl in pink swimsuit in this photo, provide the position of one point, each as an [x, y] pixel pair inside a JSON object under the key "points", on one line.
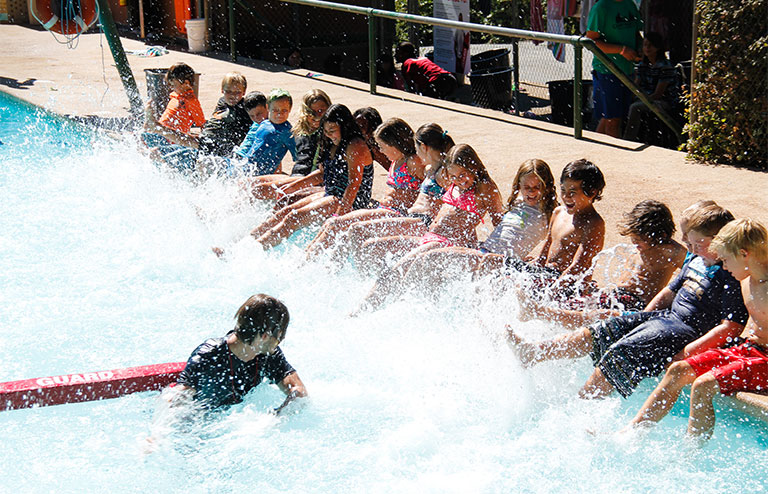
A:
{"points": [[432, 145], [472, 195], [395, 139]]}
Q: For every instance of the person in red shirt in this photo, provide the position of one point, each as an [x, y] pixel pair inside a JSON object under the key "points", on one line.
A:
{"points": [[181, 114], [422, 75]]}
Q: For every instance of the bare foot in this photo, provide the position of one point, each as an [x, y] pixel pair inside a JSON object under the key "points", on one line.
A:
{"points": [[525, 352]]}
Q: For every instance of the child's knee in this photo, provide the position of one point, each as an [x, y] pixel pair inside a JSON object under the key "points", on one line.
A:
{"points": [[681, 370], [705, 385]]}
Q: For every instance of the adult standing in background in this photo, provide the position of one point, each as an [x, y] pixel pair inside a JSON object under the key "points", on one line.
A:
{"points": [[615, 26]]}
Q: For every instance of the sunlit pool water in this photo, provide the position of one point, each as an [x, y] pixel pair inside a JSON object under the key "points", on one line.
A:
{"points": [[105, 262]]}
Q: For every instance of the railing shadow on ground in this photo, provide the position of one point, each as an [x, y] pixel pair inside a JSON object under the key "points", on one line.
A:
{"points": [[577, 42]]}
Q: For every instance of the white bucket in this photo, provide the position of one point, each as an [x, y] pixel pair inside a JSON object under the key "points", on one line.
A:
{"points": [[196, 31]]}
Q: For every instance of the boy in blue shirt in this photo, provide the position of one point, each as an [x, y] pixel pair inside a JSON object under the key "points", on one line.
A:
{"points": [[266, 143], [703, 298]]}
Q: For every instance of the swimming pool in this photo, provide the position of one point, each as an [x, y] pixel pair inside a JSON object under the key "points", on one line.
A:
{"points": [[105, 262]]}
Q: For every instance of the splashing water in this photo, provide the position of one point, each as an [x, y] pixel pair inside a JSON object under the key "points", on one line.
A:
{"points": [[105, 262]]}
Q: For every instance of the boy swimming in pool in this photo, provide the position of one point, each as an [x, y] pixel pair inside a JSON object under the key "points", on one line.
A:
{"points": [[722, 363], [221, 371], [625, 350]]}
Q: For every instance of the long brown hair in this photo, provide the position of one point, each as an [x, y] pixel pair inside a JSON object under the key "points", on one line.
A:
{"points": [[540, 169], [312, 96], [465, 156]]}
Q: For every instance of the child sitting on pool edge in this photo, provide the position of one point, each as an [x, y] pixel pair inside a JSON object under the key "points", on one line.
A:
{"points": [[181, 114], [702, 300], [649, 226], [731, 364], [266, 143]]}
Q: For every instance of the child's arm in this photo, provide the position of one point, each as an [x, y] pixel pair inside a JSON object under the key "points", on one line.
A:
{"points": [[592, 239], [494, 205], [662, 300], [541, 260], [715, 338], [358, 156]]}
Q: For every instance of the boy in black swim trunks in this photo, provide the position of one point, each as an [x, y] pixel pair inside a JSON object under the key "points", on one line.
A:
{"points": [[626, 349], [221, 371]]}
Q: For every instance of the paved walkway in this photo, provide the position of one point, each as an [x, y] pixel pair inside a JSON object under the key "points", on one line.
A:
{"points": [[84, 82]]}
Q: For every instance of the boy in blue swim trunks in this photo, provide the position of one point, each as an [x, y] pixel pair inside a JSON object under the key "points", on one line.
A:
{"points": [[625, 350]]}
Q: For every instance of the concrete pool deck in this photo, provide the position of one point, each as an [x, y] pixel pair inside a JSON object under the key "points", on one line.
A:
{"points": [[84, 82]]}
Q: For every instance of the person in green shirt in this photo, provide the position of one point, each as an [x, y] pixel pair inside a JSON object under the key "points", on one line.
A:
{"points": [[615, 26]]}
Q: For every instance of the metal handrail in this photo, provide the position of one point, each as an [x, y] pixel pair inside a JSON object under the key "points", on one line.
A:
{"points": [[578, 42]]}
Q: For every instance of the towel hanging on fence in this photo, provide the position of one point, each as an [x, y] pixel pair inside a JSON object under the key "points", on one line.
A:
{"points": [[555, 25], [537, 18]]}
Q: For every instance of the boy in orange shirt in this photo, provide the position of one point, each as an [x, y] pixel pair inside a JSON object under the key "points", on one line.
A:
{"points": [[182, 113]]}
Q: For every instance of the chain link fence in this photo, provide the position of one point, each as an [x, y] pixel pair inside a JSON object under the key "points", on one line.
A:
{"points": [[508, 74]]}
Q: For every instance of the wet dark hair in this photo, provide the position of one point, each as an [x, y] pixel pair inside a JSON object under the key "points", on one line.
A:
{"points": [[261, 314], [592, 180], [181, 72], [651, 220], [254, 99], [433, 136], [397, 133], [340, 115], [370, 115]]}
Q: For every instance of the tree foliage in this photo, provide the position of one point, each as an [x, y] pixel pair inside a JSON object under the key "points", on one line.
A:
{"points": [[729, 101]]}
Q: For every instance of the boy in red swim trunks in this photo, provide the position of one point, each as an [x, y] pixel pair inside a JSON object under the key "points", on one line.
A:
{"points": [[723, 364]]}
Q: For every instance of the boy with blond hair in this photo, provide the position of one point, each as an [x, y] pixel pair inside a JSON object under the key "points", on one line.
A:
{"points": [[627, 349], [230, 121], [719, 362]]}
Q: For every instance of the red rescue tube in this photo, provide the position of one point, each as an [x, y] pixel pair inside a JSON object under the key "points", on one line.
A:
{"points": [[89, 386], [42, 10]]}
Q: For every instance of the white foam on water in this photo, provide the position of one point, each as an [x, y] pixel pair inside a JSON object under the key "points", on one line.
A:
{"points": [[106, 262]]}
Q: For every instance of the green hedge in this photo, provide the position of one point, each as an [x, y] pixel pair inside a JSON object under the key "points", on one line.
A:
{"points": [[729, 101]]}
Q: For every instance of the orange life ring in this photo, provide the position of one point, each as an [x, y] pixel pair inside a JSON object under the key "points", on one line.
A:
{"points": [[73, 22]]}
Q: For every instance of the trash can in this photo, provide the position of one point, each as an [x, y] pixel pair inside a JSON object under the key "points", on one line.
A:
{"points": [[561, 100], [159, 91], [490, 59], [492, 87]]}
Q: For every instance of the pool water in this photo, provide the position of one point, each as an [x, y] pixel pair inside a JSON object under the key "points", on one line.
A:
{"points": [[105, 262]]}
